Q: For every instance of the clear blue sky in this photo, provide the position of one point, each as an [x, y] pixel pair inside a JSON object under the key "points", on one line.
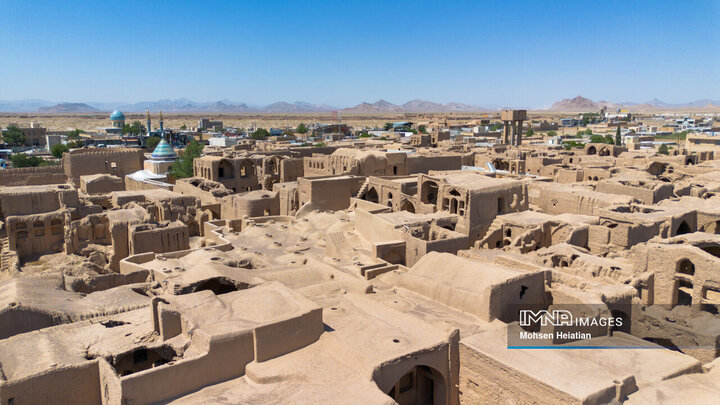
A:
{"points": [[514, 53]]}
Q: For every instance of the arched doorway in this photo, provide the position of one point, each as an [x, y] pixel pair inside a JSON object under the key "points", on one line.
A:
{"points": [[685, 266], [684, 285], [683, 228], [407, 206], [625, 327], [422, 385], [247, 168], [225, 170], [429, 192], [591, 150], [372, 195]]}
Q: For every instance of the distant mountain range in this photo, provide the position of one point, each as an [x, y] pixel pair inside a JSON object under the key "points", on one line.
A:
{"points": [[69, 108], [170, 106], [183, 105], [582, 104], [416, 106]]}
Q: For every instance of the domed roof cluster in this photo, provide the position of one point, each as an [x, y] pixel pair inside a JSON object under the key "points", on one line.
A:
{"points": [[117, 115], [163, 151]]}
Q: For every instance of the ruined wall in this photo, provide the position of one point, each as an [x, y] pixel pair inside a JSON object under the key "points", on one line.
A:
{"points": [[423, 164], [31, 235], [486, 380], [287, 197], [252, 204], [291, 169], [99, 184], [118, 162], [137, 185], [648, 195], [145, 238], [32, 176], [328, 193], [78, 384], [34, 200]]}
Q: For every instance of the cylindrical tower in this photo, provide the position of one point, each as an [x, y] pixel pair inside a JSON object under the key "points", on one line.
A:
{"points": [[147, 119]]}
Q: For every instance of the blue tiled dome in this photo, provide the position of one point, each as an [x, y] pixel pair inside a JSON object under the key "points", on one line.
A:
{"points": [[163, 151], [117, 116]]}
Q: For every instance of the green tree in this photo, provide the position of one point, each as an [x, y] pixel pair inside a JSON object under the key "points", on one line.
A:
{"points": [[551, 133], [320, 145], [13, 136], [134, 129], [422, 129], [530, 132], [74, 134], [597, 139], [364, 135], [59, 149], [183, 127], [260, 134], [152, 142], [663, 149], [609, 139], [302, 129], [388, 126], [618, 137], [183, 167], [289, 133], [24, 160], [496, 127]]}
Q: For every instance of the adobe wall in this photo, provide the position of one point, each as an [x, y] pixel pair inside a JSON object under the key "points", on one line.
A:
{"points": [[207, 191], [100, 184], [291, 169], [92, 229], [559, 199], [423, 164], [287, 197], [666, 262], [417, 248], [174, 236], [483, 379], [137, 185], [257, 205], [485, 204], [653, 195], [77, 384], [226, 359], [375, 229], [27, 201], [328, 193], [33, 176], [118, 162]]}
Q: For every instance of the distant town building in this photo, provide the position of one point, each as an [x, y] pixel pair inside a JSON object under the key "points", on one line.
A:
{"points": [[34, 134], [206, 123]]}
